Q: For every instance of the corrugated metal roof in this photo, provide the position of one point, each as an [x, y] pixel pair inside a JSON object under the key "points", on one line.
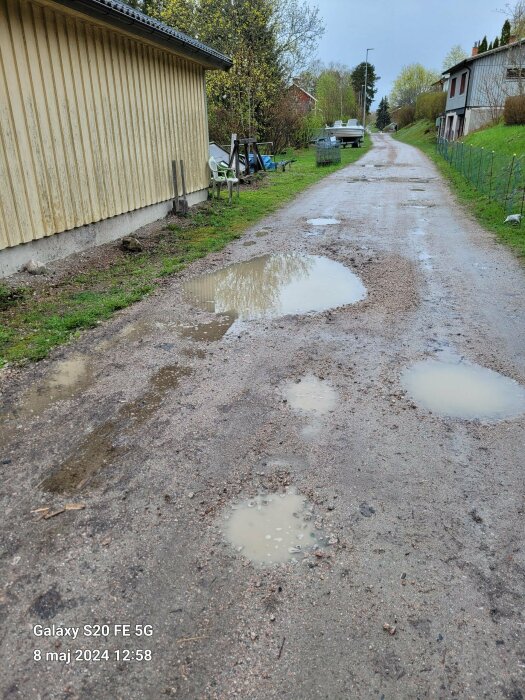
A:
{"points": [[126, 17]]}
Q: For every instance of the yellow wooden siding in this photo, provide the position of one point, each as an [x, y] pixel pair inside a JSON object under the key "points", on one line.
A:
{"points": [[90, 121]]}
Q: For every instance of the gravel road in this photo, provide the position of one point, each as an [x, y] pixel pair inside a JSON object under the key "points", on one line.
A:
{"points": [[154, 429]]}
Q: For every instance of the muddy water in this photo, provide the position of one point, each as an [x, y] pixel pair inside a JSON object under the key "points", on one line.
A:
{"points": [[276, 285], [311, 395], [271, 529], [323, 222], [461, 390], [101, 446], [67, 379], [208, 332]]}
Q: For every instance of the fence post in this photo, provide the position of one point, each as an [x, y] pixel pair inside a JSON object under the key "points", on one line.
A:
{"points": [[491, 171], [479, 169], [508, 182]]}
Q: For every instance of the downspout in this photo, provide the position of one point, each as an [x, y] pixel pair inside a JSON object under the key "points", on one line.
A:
{"points": [[467, 96]]}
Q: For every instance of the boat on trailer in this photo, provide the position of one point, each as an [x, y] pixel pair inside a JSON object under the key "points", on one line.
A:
{"points": [[352, 132]]}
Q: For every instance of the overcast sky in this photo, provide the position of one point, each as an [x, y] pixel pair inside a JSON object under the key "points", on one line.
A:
{"points": [[403, 32]]}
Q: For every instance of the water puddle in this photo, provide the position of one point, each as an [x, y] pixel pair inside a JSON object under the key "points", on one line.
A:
{"points": [[322, 222], [208, 332], [101, 446], [463, 390], [272, 528], [67, 379], [418, 232], [271, 286], [263, 232], [417, 205], [246, 244], [311, 395]]}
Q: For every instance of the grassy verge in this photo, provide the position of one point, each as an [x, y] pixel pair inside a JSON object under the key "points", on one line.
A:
{"points": [[489, 214], [502, 139], [35, 320]]}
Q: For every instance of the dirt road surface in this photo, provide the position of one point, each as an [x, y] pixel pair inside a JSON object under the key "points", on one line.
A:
{"points": [[157, 433]]}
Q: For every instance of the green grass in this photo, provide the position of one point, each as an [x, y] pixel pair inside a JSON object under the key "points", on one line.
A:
{"points": [[508, 140], [489, 214], [34, 322]]}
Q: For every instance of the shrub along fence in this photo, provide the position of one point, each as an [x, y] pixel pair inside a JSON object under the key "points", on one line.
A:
{"points": [[500, 177]]}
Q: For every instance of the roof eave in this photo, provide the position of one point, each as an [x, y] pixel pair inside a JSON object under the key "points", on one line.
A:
{"points": [[130, 20], [470, 59]]}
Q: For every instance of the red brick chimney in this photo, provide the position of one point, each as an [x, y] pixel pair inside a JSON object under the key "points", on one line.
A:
{"points": [[475, 49]]}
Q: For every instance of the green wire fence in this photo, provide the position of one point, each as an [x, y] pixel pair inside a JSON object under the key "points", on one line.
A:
{"points": [[500, 177]]}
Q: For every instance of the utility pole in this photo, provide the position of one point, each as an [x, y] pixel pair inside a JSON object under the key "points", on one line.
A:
{"points": [[366, 78]]}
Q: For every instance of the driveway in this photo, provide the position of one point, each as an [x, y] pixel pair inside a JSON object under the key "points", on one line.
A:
{"points": [[156, 427]]}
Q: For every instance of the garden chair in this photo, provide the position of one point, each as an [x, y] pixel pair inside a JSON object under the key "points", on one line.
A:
{"points": [[222, 175]]}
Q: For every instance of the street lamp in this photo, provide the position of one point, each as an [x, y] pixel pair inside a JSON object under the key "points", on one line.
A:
{"points": [[366, 78]]}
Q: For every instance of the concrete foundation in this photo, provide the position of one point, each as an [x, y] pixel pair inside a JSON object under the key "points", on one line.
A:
{"points": [[60, 245]]}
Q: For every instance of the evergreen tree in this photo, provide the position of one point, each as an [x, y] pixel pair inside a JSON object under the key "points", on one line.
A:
{"points": [[482, 45], [495, 45], [505, 33], [358, 80], [383, 114], [490, 47]]}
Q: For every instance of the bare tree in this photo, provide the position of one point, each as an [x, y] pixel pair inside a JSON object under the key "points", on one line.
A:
{"points": [[494, 94], [299, 28], [455, 55], [516, 15]]}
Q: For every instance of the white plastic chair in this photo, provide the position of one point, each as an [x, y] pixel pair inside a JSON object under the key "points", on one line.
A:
{"points": [[222, 175]]}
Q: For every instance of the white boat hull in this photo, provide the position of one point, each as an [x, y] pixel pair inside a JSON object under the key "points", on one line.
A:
{"points": [[346, 132]]}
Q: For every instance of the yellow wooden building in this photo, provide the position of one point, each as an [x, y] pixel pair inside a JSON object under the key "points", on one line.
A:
{"points": [[96, 101]]}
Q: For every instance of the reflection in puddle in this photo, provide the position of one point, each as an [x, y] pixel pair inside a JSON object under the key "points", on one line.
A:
{"points": [[323, 222], [275, 285], [263, 232], [67, 378], [311, 395], [460, 390], [418, 232], [271, 529], [98, 448], [214, 330], [249, 243]]}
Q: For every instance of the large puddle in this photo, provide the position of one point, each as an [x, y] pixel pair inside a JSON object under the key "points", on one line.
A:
{"points": [[311, 395], [461, 390], [276, 285], [271, 529]]}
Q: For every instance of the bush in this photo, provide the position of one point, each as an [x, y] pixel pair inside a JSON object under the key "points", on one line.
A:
{"points": [[309, 127], [429, 105], [514, 112], [403, 116]]}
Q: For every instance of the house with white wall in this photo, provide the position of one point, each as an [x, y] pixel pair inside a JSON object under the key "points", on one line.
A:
{"points": [[478, 87]]}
